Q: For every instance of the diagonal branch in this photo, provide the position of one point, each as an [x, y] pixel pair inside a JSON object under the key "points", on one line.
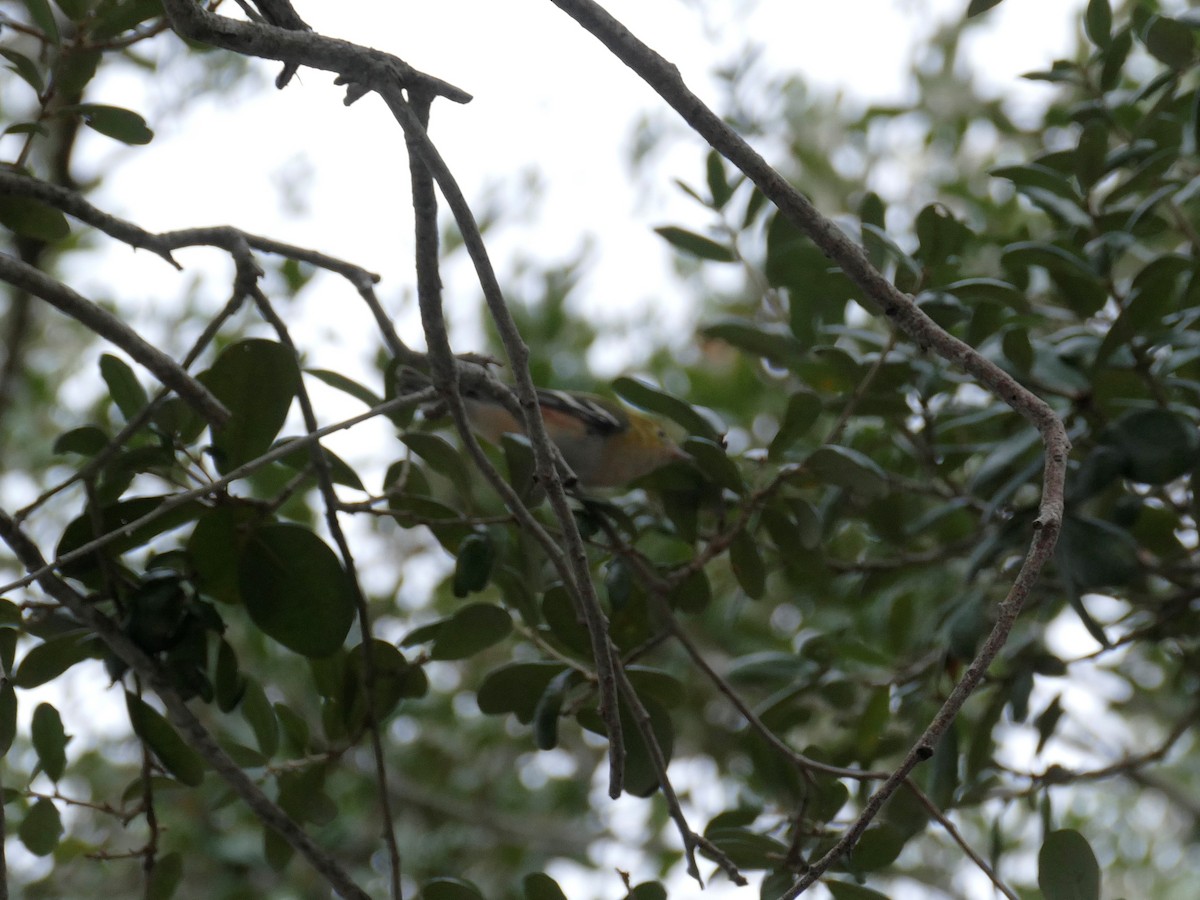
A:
{"points": [[900, 309], [108, 326]]}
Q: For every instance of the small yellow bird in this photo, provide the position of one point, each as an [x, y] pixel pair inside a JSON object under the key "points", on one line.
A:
{"points": [[604, 443]]}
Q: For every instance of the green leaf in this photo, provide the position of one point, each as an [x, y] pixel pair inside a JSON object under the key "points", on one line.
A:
{"points": [[696, 244], [473, 568], [166, 877], [125, 16], [160, 736], [43, 18], [87, 440], [846, 890], [718, 468], [442, 456], [1067, 867], [25, 67], [46, 661], [258, 712], [1097, 22], [540, 886], [718, 182], [549, 706], [123, 386], [849, 469], [123, 125], [116, 518], [339, 470], [1091, 153], [295, 589], [658, 401], [1094, 553], [33, 219], [346, 386], [256, 380], [470, 630], [450, 889], [747, 564], [978, 7], [772, 343], [1158, 445], [516, 688], [8, 717], [940, 235], [41, 828], [804, 406], [49, 740], [1171, 42]]}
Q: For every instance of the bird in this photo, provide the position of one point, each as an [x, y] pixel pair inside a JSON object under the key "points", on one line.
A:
{"points": [[605, 444]]}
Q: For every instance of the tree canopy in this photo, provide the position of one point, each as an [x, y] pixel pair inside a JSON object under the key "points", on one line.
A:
{"points": [[917, 616]]}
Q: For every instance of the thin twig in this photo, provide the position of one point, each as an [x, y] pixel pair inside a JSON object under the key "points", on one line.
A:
{"points": [[370, 672]]}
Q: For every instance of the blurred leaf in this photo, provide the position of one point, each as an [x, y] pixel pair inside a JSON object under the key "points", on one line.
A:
{"points": [[540, 886], [516, 688], [41, 828], [1158, 445], [33, 219], [695, 244], [848, 468], [472, 628], [974, 8], [1098, 22], [43, 17], [1067, 867], [1096, 553], [657, 401], [123, 125], [46, 661], [124, 388], [1170, 42], [87, 440], [49, 740], [450, 889]]}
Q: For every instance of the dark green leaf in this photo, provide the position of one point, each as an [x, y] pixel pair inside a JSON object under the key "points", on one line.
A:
{"points": [[450, 889], [347, 386], [49, 740], [41, 828], [124, 388], [25, 67], [516, 688], [87, 440], [846, 890], [442, 456], [33, 219], [256, 380], [549, 706], [473, 628], [977, 7], [1098, 22], [123, 125], [176, 756], [718, 468], [1158, 445], [696, 244], [295, 589], [658, 401], [850, 469], [8, 716], [473, 568], [339, 470], [1092, 151], [46, 661], [166, 877], [1171, 42], [747, 564], [718, 183], [1067, 867], [124, 16], [540, 886], [1096, 553], [43, 18], [260, 715]]}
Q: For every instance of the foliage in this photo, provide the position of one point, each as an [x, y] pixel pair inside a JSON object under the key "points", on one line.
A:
{"points": [[790, 607]]}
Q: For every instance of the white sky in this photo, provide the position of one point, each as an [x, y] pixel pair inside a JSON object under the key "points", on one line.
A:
{"points": [[547, 96]]}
